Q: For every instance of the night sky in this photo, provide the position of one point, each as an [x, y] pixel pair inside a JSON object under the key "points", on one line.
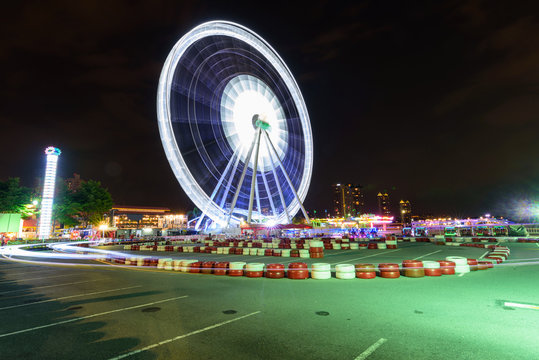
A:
{"points": [[436, 103]]}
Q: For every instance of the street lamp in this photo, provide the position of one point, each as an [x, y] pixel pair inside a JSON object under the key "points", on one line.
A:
{"points": [[103, 227]]}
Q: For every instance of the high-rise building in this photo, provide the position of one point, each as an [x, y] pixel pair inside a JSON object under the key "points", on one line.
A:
{"points": [[405, 211], [73, 184], [347, 200], [383, 204]]}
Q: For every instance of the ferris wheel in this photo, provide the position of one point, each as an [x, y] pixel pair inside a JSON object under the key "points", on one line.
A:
{"points": [[234, 126]]}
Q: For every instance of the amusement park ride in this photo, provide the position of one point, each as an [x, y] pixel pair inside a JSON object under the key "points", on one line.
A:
{"points": [[225, 93]]}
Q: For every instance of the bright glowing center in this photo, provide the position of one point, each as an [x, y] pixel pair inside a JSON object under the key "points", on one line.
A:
{"points": [[246, 105]]}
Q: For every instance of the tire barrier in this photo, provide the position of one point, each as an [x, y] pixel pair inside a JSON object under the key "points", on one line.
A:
{"points": [[461, 264], [381, 246], [297, 271], [473, 264], [316, 249], [275, 271], [432, 268], [304, 254], [254, 270], [194, 267], [389, 270], [207, 267], [413, 268], [488, 264], [447, 267], [161, 263], [345, 271], [186, 264], [236, 268], [310, 249], [321, 271], [391, 244], [220, 268], [365, 271]]}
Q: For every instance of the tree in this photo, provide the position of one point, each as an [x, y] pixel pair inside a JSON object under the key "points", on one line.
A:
{"points": [[65, 208], [93, 201], [14, 198]]}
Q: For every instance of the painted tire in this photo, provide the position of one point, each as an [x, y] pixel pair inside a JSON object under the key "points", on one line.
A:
{"points": [[365, 268], [448, 267], [366, 274], [458, 260], [390, 274], [220, 268], [345, 268], [207, 267], [383, 267], [321, 267], [254, 274], [321, 274]]}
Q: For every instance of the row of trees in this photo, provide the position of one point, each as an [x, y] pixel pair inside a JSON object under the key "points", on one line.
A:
{"points": [[84, 206]]}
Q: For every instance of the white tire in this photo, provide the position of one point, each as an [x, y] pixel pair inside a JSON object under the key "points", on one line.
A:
{"points": [[458, 260], [321, 275], [381, 246], [321, 267], [254, 267], [345, 275], [431, 264], [345, 268], [285, 253], [459, 269], [337, 246], [237, 265]]}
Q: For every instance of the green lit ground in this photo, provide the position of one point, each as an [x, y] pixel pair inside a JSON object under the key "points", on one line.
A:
{"points": [[426, 318]]}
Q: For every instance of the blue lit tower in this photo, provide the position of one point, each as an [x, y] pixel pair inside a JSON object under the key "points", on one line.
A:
{"points": [[48, 192]]}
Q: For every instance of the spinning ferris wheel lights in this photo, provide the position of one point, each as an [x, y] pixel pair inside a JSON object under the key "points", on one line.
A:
{"points": [[234, 126]]}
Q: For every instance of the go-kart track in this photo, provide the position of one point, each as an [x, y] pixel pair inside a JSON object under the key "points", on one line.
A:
{"points": [[56, 303]]}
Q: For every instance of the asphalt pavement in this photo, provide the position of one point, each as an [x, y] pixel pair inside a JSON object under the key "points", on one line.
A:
{"points": [[111, 312]]}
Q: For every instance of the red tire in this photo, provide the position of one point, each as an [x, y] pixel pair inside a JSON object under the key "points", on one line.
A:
{"points": [[194, 268], [483, 265], [473, 264], [489, 264], [297, 265], [433, 272], [365, 268], [220, 268], [235, 272], [254, 274], [447, 267], [390, 274], [414, 264], [207, 267], [298, 274], [365, 274], [388, 267], [275, 274]]}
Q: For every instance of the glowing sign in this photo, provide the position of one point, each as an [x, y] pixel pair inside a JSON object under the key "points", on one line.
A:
{"points": [[48, 192]]}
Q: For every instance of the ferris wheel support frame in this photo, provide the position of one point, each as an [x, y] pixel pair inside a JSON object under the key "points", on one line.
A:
{"points": [[253, 179], [279, 190], [288, 178], [238, 188]]}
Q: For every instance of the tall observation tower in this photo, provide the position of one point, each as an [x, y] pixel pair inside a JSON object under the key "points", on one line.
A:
{"points": [[48, 192]]}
